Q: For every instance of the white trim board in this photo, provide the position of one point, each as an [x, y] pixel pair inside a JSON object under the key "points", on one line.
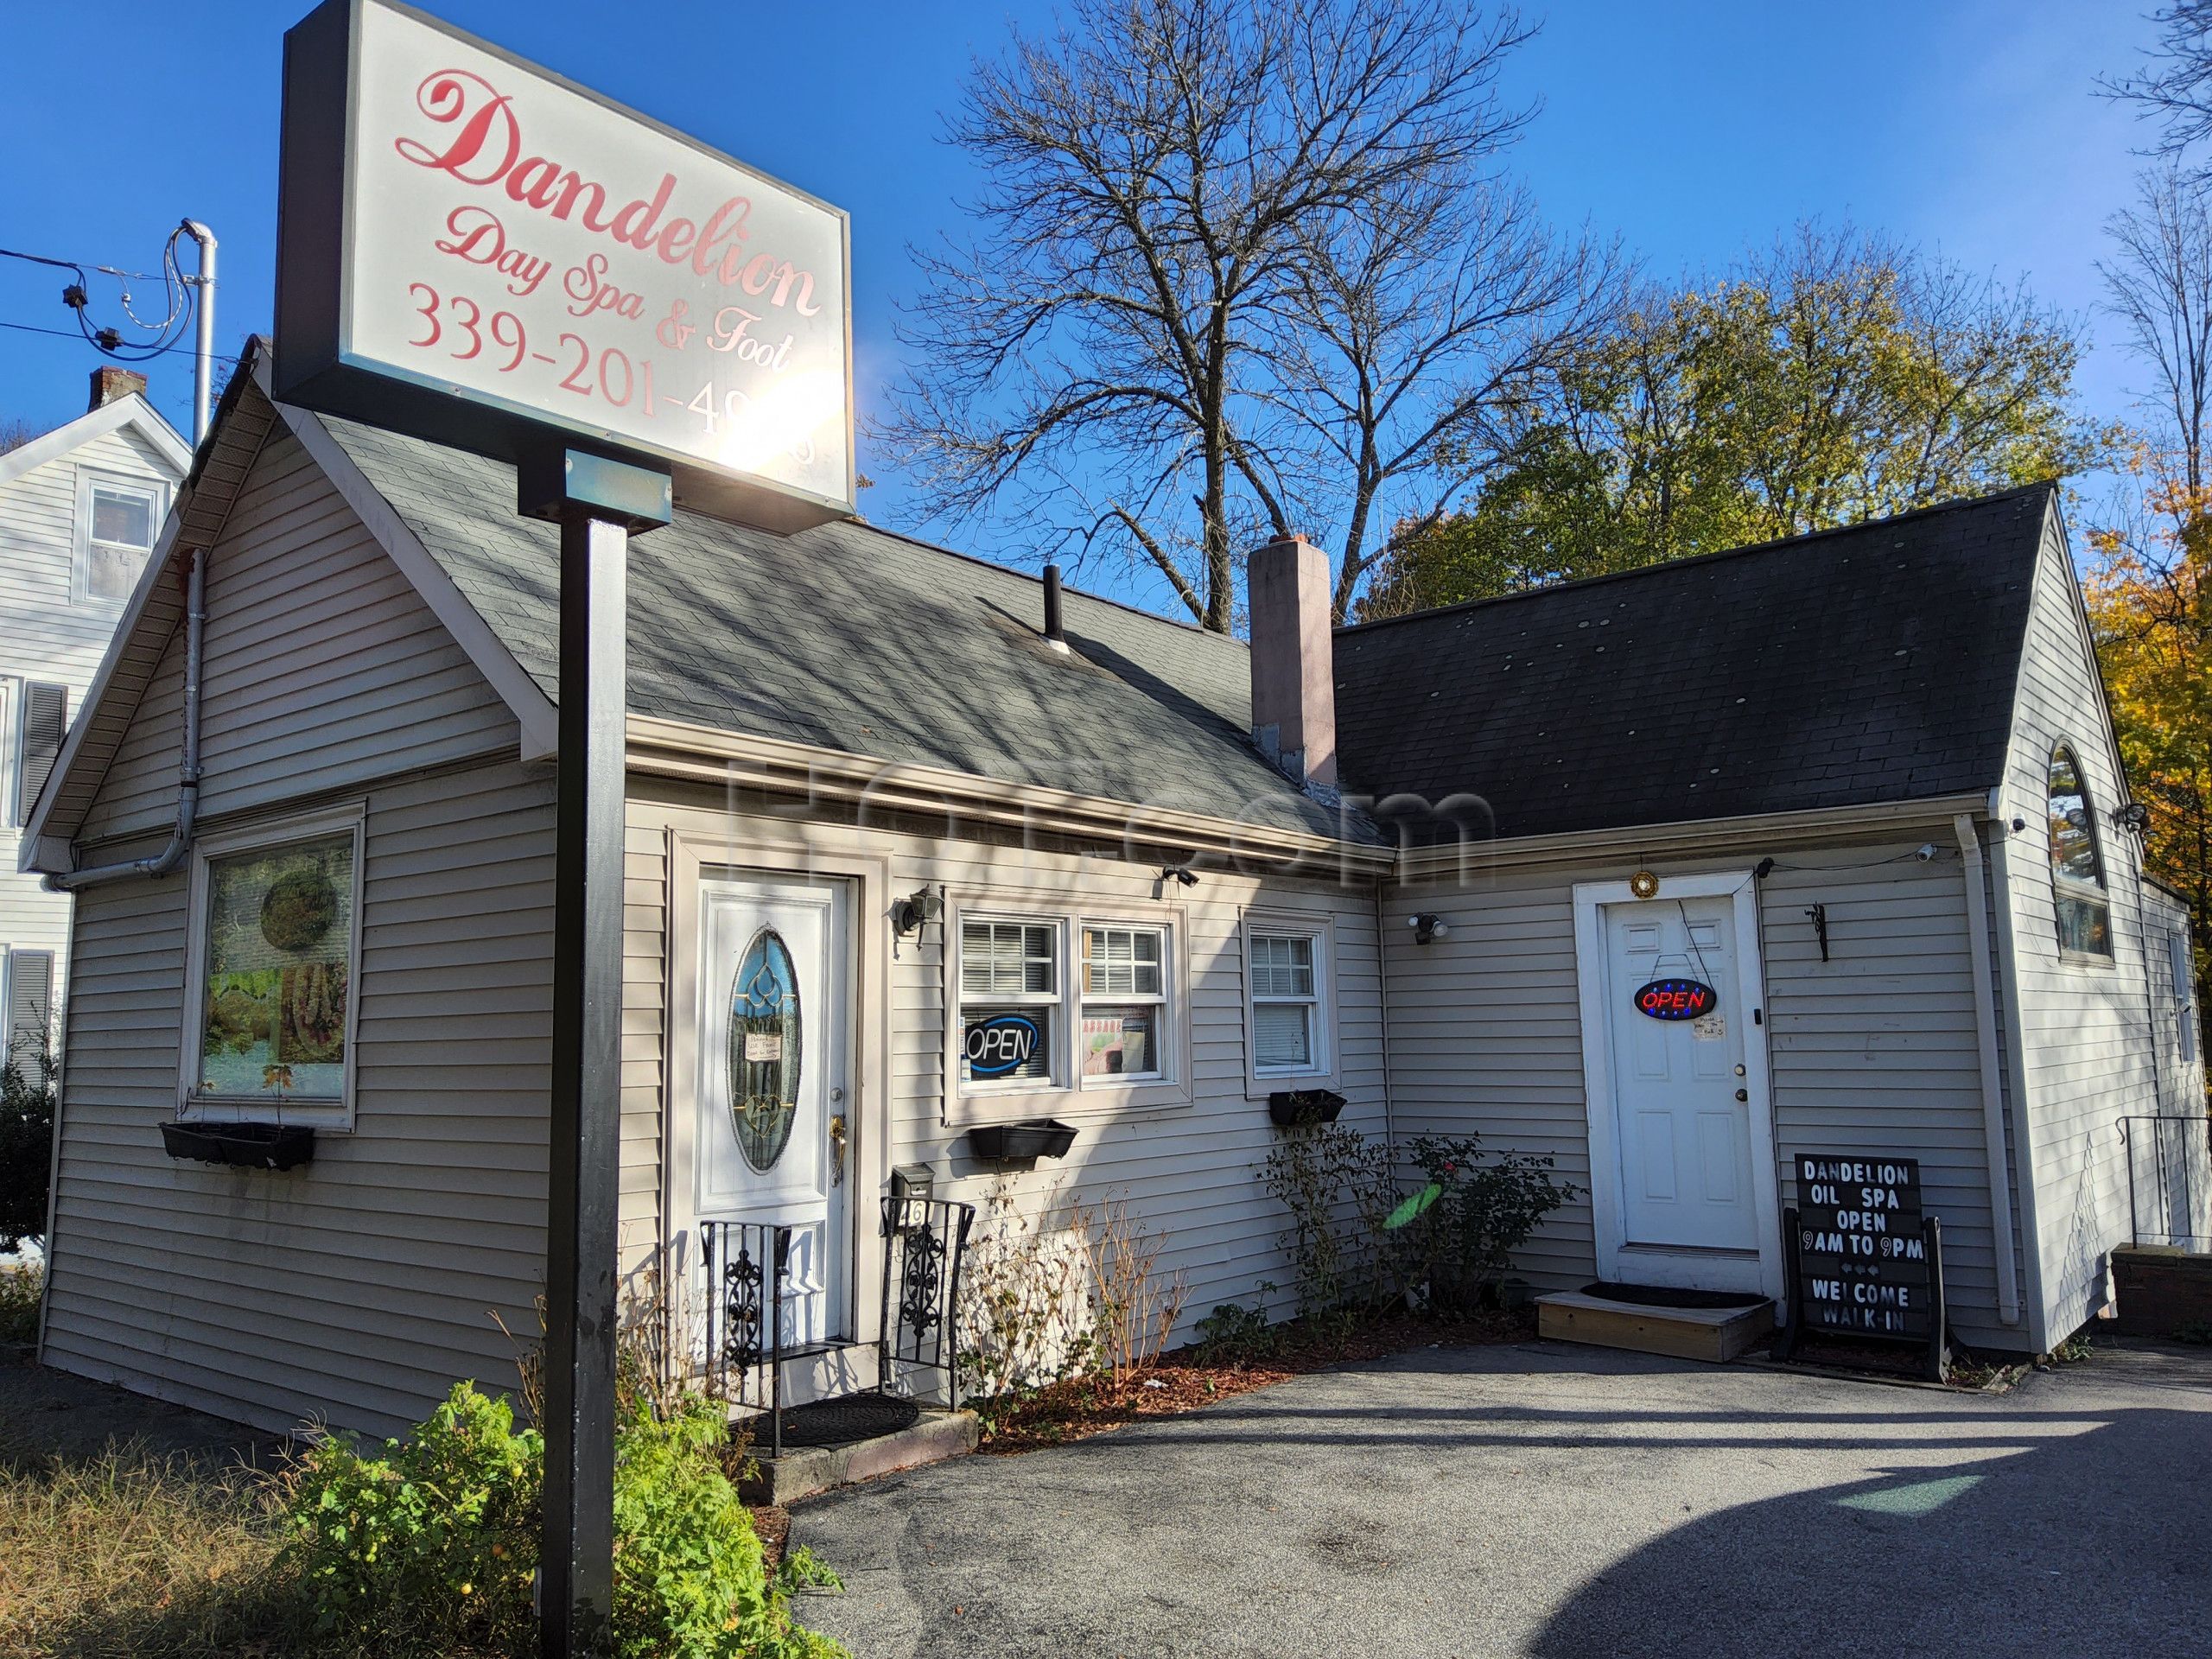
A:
{"points": [[1644, 1265], [131, 411]]}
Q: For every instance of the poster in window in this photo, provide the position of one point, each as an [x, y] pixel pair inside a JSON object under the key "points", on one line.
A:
{"points": [[280, 928]]}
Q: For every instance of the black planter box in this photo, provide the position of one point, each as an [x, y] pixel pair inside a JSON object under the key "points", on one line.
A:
{"points": [[1304, 1108], [1001, 1143], [243, 1145]]}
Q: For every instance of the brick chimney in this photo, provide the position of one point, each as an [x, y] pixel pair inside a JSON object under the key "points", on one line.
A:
{"points": [[110, 382], [1293, 671]]}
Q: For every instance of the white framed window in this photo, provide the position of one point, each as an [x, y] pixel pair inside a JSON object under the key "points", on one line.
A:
{"points": [[1286, 968], [274, 953], [2084, 910], [1125, 1011], [117, 520], [1012, 1003]]}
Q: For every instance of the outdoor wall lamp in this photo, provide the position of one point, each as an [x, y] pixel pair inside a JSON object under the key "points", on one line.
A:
{"points": [[922, 904], [2134, 817], [1427, 927], [1178, 873]]}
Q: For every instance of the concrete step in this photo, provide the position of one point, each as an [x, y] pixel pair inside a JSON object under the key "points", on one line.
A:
{"points": [[803, 1471], [1710, 1333]]}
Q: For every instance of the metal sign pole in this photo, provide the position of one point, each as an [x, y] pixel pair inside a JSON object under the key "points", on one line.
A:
{"points": [[598, 504]]}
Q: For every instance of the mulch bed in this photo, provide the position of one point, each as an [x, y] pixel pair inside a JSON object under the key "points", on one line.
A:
{"points": [[1182, 1382], [774, 1526]]}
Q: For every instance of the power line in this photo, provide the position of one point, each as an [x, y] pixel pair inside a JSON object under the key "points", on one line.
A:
{"points": [[67, 334]]}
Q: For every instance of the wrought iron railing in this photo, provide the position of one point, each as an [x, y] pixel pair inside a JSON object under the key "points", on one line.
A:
{"points": [[748, 1267], [924, 1240], [2168, 1179]]}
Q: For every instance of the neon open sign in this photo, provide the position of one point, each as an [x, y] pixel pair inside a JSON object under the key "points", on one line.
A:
{"points": [[1001, 1045], [1676, 999]]}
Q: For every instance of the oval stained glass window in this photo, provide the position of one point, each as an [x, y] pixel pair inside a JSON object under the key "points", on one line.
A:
{"points": [[764, 1050]]}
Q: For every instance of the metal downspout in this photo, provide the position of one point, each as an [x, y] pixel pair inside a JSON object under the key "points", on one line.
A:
{"points": [[1992, 1096], [1382, 974], [187, 792]]}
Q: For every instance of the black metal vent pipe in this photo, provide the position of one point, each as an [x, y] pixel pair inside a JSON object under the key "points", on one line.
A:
{"points": [[1054, 631]]}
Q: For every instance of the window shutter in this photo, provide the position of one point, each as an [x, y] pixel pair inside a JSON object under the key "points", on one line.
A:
{"points": [[31, 1003], [46, 716]]}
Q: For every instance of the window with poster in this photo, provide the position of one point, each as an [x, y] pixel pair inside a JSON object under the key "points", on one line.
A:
{"points": [[1124, 1036], [275, 951]]}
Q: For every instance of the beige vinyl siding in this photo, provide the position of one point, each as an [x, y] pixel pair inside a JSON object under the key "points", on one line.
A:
{"points": [[324, 669], [2086, 1028], [49, 639], [358, 1287], [1873, 1049], [1189, 1172]]}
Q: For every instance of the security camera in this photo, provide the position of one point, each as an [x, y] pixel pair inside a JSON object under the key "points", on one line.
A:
{"points": [[1927, 852]]}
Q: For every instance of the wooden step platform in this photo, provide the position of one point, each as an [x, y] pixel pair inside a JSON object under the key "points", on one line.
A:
{"points": [[1710, 1333]]}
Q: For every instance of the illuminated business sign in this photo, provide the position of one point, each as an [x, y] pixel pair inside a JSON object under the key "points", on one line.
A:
{"points": [[1675, 999], [477, 252], [999, 1045]]}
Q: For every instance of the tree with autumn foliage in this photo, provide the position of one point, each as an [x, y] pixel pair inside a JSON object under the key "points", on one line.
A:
{"points": [[2149, 582], [1840, 377]]}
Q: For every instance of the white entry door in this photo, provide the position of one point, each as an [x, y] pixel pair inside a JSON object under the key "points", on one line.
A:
{"points": [[770, 1114], [1681, 1142]]}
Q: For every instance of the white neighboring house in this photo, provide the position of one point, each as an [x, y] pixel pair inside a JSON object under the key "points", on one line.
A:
{"points": [[80, 509]]}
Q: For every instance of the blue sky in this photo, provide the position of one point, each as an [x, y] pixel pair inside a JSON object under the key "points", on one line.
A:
{"points": [[1692, 131]]}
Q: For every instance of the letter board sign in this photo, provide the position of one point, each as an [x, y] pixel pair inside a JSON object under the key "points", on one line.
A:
{"points": [[1864, 1264], [474, 251]]}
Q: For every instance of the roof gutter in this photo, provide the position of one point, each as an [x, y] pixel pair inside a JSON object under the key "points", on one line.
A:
{"points": [[187, 791]]}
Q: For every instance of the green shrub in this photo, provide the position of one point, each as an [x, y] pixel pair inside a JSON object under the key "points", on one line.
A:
{"points": [[1235, 1335], [436, 1539], [26, 1144], [1334, 1183], [437, 1536], [1473, 1212], [19, 1297]]}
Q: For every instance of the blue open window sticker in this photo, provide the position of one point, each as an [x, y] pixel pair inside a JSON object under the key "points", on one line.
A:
{"points": [[1001, 1045]]}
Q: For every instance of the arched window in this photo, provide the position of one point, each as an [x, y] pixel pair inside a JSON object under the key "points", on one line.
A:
{"points": [[2077, 869]]}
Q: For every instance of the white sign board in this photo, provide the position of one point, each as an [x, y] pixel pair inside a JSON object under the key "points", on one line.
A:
{"points": [[486, 233]]}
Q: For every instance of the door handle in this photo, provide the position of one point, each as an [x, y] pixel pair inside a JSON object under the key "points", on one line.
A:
{"points": [[837, 1150], [1741, 1094]]}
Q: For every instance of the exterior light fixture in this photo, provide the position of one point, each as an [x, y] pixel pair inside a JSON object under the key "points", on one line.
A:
{"points": [[1177, 872], [2134, 817], [922, 904], [1427, 927], [1643, 885]]}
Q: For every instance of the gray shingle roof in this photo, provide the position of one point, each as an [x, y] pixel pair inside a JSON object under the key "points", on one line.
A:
{"points": [[855, 640], [1870, 664]]}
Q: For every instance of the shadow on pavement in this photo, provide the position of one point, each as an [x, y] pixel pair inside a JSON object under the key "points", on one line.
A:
{"points": [[2026, 1551]]}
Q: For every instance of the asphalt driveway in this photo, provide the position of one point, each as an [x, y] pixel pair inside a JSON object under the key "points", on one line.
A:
{"points": [[1549, 1500]]}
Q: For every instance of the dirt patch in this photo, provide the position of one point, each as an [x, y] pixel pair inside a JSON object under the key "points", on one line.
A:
{"points": [[1184, 1381], [46, 1414]]}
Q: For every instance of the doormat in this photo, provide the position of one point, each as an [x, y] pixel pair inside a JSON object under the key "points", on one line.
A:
{"points": [[842, 1422], [1667, 1296]]}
